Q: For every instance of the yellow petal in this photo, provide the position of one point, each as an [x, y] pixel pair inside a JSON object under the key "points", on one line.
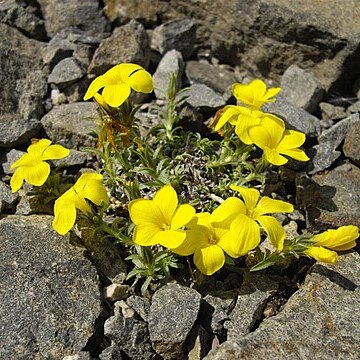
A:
{"points": [[145, 234], [65, 215], [258, 88], [267, 205], [260, 137], [340, 239], [193, 240], [96, 85], [17, 180], [24, 160], [124, 71], [141, 81], [167, 201], [209, 259], [54, 152], [273, 157], [244, 235], [230, 114], [95, 191], [250, 196], [243, 93], [146, 211], [275, 127], [183, 214], [244, 123], [291, 140], [321, 254], [228, 210], [115, 95], [274, 230], [170, 238], [38, 147], [296, 154], [36, 175], [270, 93]]}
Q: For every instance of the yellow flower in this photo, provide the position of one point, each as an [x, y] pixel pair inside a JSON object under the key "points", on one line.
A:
{"points": [[32, 168], [327, 243], [212, 235], [257, 209], [159, 221], [272, 137], [88, 186], [118, 82], [254, 94]]}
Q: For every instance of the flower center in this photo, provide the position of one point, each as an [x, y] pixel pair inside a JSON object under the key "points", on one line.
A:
{"points": [[165, 227], [212, 239]]}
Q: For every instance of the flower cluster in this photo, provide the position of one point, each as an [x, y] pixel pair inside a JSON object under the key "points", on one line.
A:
{"points": [[265, 130]]}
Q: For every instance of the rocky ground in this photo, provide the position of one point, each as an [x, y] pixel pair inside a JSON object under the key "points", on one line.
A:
{"points": [[58, 293]]}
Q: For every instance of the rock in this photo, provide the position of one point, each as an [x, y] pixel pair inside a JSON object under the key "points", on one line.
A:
{"points": [[74, 158], [202, 97], [116, 292], [57, 97], [326, 151], [128, 334], [331, 199], [66, 72], [354, 108], [70, 124], [67, 15], [128, 43], [82, 355], [319, 321], [331, 112], [32, 202], [301, 88], [171, 63], [215, 77], [6, 159], [191, 119], [7, 198], [19, 131], [173, 312], [144, 11], [19, 58], [201, 344], [140, 305], [294, 116], [176, 34], [75, 92], [50, 287], [351, 145]]}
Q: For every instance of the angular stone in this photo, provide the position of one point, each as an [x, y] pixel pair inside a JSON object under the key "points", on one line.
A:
{"points": [[173, 312], [140, 305], [7, 198], [19, 131], [354, 108], [70, 124], [171, 63], [351, 145], [201, 344], [74, 158], [331, 112], [66, 72], [301, 88], [294, 116], [52, 289], [202, 97], [176, 34], [6, 159], [319, 321], [127, 44]]}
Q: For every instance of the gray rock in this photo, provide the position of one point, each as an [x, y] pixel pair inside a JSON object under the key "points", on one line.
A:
{"points": [[354, 108], [19, 57], [8, 158], [173, 312], [128, 334], [301, 88], [250, 304], [141, 306], [116, 292], [127, 43], [294, 116], [82, 355], [32, 202], [70, 124], [7, 198], [18, 131], [351, 145], [57, 97], [215, 77], [51, 289], [171, 63], [202, 97], [75, 92], [331, 199], [331, 112], [74, 158], [176, 34], [201, 344], [68, 15], [319, 321], [57, 49], [66, 72], [326, 151]]}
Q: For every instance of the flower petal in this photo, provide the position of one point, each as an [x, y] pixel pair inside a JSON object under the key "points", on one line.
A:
{"points": [[37, 175], [230, 114], [193, 240], [260, 136], [183, 214], [273, 157], [209, 259], [274, 230], [17, 180], [145, 234], [141, 81], [258, 88], [276, 128], [340, 239], [145, 211], [296, 154], [170, 238], [124, 71], [291, 140], [38, 147], [167, 201], [250, 196], [243, 93], [244, 235], [24, 160], [95, 191], [98, 84], [65, 214], [267, 205], [244, 123], [321, 254], [270, 93], [228, 210], [54, 152], [115, 95]]}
